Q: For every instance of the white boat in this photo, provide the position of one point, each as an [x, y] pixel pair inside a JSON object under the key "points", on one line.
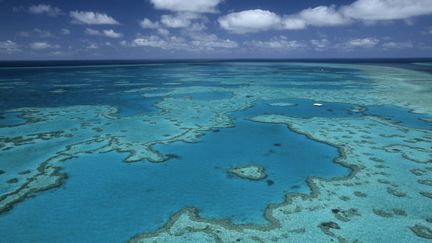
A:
{"points": [[318, 104]]}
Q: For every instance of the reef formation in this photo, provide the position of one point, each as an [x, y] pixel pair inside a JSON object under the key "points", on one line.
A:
{"points": [[386, 197]]}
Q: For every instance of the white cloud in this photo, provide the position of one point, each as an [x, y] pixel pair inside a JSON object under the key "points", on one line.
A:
{"points": [[196, 27], [90, 18], [322, 16], [197, 6], [293, 23], [362, 43], [250, 21], [124, 43], [43, 45], [397, 45], [163, 32], [106, 33], [171, 21], [45, 9], [94, 45], [257, 20], [8, 46], [112, 34], [280, 42], [150, 41], [89, 31], [320, 44], [148, 24], [368, 11], [179, 20], [373, 10], [211, 42], [195, 41]]}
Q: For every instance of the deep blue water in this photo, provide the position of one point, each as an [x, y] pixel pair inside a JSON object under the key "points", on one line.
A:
{"points": [[10, 119]]}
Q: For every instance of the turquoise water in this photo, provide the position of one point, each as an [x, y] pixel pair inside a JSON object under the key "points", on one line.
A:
{"points": [[111, 201], [185, 125]]}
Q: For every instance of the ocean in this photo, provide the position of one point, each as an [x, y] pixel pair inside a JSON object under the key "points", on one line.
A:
{"points": [[207, 150]]}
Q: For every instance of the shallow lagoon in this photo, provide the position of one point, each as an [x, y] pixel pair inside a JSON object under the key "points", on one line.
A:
{"points": [[105, 194], [198, 121]]}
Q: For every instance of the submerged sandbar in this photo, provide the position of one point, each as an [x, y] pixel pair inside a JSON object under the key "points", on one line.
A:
{"points": [[250, 172]]}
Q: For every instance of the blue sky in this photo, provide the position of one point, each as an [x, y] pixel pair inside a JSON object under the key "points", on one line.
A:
{"points": [[154, 29]]}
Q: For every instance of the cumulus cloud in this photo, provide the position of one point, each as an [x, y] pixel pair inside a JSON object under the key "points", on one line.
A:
{"points": [[362, 42], [250, 21], [322, 16], [293, 23], [163, 32], [148, 24], [257, 20], [106, 33], [197, 6], [196, 27], [112, 34], [92, 18], [179, 20], [151, 41], [374, 10], [45, 9], [8, 46], [43, 45], [174, 22]]}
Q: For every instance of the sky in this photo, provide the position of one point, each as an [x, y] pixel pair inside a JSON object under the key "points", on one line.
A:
{"points": [[179, 29]]}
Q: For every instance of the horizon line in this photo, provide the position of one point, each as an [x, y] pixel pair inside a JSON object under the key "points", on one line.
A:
{"points": [[216, 59]]}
